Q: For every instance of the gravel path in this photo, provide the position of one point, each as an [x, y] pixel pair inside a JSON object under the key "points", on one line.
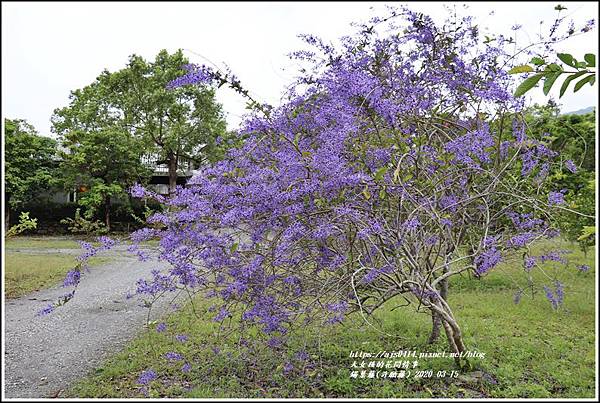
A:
{"points": [[45, 354]]}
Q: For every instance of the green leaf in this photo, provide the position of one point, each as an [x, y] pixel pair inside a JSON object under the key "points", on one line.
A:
{"points": [[590, 58], [553, 67], [380, 173], [382, 194], [538, 61], [366, 193], [587, 232], [589, 79], [233, 247], [568, 80], [549, 81], [567, 59], [528, 84], [521, 69]]}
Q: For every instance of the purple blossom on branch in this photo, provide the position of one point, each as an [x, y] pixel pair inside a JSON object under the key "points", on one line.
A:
{"points": [[570, 165], [556, 198], [72, 278]]}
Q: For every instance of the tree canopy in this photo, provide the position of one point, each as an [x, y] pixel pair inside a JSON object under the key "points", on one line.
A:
{"points": [[115, 129], [99, 152], [185, 124], [30, 163]]}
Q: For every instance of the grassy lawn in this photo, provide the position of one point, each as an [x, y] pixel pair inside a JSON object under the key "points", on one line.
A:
{"points": [[25, 272], [41, 243], [530, 350]]}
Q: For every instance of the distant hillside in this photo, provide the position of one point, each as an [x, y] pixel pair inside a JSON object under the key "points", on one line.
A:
{"points": [[581, 111]]}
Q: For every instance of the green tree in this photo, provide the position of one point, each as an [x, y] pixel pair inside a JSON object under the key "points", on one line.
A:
{"points": [[30, 164], [573, 137], [178, 124], [100, 152]]}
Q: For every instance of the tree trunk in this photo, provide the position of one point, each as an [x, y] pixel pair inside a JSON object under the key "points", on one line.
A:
{"points": [[107, 211], [6, 216], [436, 325], [172, 163], [454, 335], [453, 332], [435, 317]]}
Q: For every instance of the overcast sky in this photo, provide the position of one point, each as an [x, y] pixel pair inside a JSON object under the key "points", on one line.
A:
{"points": [[49, 49]]}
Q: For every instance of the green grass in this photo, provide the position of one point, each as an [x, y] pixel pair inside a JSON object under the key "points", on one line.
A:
{"points": [[26, 272], [41, 243], [530, 350]]}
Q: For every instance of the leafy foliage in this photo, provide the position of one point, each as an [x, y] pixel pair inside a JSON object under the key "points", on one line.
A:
{"points": [[25, 223], [83, 226], [31, 163], [573, 137], [552, 71], [172, 125], [99, 152]]}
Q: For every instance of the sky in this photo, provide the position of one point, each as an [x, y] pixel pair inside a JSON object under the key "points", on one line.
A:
{"points": [[50, 49]]}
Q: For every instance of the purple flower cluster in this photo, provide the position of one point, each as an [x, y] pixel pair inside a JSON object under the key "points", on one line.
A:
{"points": [[584, 268], [570, 165], [487, 260], [556, 295], [556, 198], [146, 377], [72, 278], [46, 310], [529, 263], [555, 256], [173, 356], [182, 338], [550, 296], [472, 148], [88, 251], [521, 240], [194, 75], [589, 25]]}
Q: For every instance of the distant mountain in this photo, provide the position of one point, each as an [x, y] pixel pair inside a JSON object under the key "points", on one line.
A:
{"points": [[581, 111]]}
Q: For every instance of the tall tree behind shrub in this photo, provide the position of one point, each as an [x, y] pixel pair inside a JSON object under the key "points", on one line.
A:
{"points": [[99, 151], [30, 164]]}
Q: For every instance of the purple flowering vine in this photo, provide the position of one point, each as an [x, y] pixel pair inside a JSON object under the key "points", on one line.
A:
{"points": [[379, 176]]}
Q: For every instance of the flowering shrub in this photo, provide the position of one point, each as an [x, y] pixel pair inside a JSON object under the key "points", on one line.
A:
{"points": [[398, 161]]}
